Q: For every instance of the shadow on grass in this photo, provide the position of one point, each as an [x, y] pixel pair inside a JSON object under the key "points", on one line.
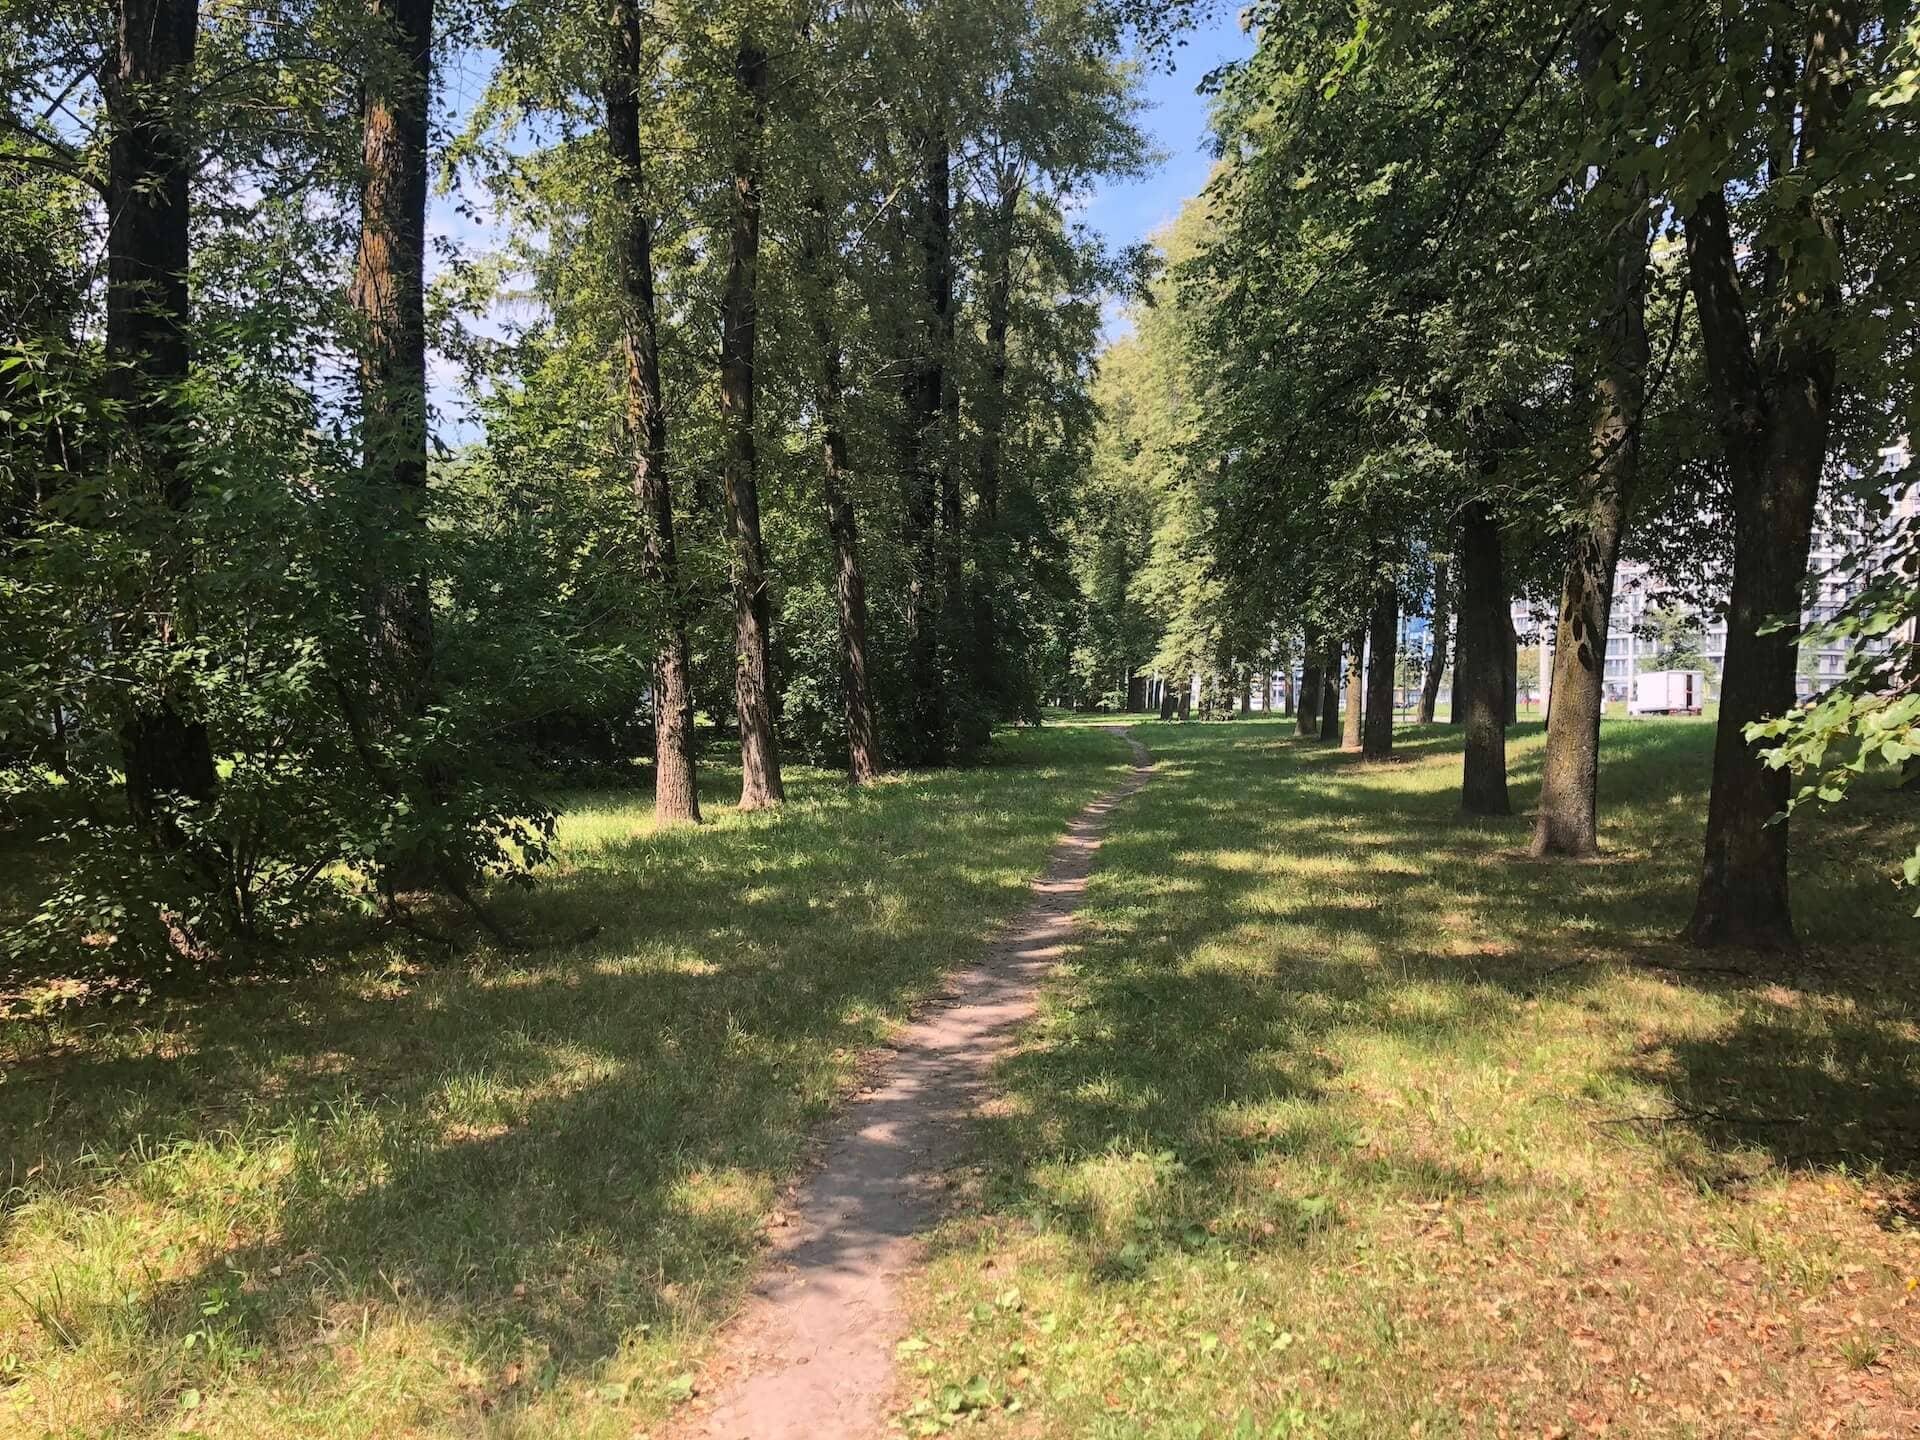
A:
{"points": [[541, 1156], [1273, 903]]}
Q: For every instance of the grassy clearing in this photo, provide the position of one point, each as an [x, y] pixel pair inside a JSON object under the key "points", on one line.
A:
{"points": [[1349, 1120], [506, 1196]]}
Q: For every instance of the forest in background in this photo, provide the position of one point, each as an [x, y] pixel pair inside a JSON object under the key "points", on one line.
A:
{"points": [[796, 434]]}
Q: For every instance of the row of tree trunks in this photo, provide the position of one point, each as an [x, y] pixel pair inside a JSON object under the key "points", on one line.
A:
{"points": [[1478, 673], [1442, 639], [760, 781], [1383, 655], [676, 788]]}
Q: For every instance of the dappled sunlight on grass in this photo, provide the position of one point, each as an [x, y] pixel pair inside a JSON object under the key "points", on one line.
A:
{"points": [[1444, 1140], [507, 1193]]}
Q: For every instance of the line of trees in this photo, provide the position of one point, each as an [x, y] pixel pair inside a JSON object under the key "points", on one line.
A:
{"points": [[1481, 300], [778, 333]]}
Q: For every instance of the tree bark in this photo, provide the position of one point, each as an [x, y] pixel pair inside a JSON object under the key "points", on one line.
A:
{"points": [[1351, 725], [676, 791], [1442, 639], [1774, 424], [1306, 720], [1568, 820], [1478, 674], [1186, 698], [1383, 653], [850, 583], [850, 595], [1166, 701], [1330, 695], [760, 782], [925, 391], [166, 752], [389, 295]]}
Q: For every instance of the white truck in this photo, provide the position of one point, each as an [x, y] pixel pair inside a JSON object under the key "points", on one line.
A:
{"points": [[1668, 692]]}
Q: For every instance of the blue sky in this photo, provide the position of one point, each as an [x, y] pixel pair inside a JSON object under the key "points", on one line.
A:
{"points": [[1177, 124]]}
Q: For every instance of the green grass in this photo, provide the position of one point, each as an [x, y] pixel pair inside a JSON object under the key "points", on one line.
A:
{"points": [[507, 1195], [1348, 1119]]}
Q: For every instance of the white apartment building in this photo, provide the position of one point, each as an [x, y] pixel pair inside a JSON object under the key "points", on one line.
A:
{"points": [[1638, 591]]}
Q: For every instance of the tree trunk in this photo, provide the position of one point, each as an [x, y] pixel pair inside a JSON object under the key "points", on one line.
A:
{"points": [[1166, 701], [1246, 692], [1442, 637], [1351, 722], [1306, 720], [992, 411], [1479, 686], [1774, 423], [389, 295], [1383, 654], [676, 791], [925, 390], [760, 784], [1286, 691], [850, 594], [1330, 695], [1186, 698], [165, 749], [1568, 821], [850, 583]]}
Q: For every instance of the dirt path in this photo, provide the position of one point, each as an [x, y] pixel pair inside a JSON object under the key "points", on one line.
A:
{"points": [[812, 1353]]}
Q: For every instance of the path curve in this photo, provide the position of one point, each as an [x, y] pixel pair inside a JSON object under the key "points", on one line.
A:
{"points": [[811, 1355]]}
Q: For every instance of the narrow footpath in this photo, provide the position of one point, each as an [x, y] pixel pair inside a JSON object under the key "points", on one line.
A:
{"points": [[812, 1352]]}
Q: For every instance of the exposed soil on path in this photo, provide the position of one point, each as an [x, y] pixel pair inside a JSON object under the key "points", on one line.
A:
{"points": [[812, 1353]]}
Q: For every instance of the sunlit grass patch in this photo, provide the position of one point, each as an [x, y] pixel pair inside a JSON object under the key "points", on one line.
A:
{"points": [[1348, 1120], [501, 1194]]}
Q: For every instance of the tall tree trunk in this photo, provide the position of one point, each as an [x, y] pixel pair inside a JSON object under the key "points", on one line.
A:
{"points": [[1351, 722], [850, 594], [922, 450], [850, 583], [1186, 698], [1306, 720], [1330, 695], [992, 410], [165, 750], [389, 295], [760, 784], [1442, 638], [1479, 685], [676, 791], [1383, 654], [1166, 701], [1774, 425], [1246, 692], [1568, 821]]}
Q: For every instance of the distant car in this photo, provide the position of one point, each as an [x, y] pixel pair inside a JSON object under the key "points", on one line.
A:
{"points": [[1668, 692]]}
